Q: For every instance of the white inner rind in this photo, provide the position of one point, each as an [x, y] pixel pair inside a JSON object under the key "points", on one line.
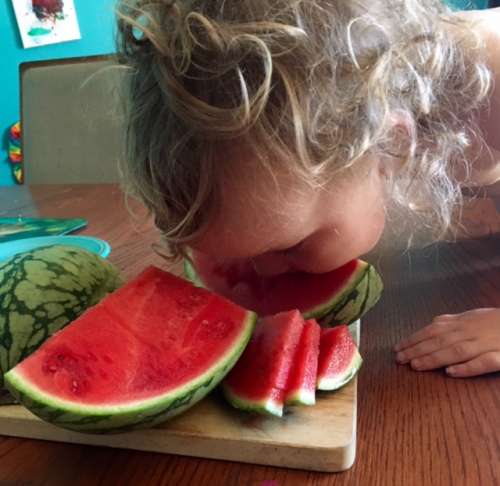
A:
{"points": [[269, 405], [274, 407], [19, 382], [306, 397]]}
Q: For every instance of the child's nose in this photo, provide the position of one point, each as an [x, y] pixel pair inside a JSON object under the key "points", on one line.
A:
{"points": [[271, 264]]}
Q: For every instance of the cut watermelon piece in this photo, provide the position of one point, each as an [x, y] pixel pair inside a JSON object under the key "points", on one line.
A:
{"points": [[147, 352], [301, 385], [258, 381], [340, 296], [339, 358]]}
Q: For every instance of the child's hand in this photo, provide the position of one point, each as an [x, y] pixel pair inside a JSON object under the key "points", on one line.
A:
{"points": [[469, 341]]}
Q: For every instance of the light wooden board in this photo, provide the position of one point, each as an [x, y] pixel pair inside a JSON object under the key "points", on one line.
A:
{"points": [[319, 438]]}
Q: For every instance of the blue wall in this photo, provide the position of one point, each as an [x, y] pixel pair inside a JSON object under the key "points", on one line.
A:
{"points": [[96, 20]]}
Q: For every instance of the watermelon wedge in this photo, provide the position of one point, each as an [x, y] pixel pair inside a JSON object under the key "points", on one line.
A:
{"points": [[340, 296], [145, 353], [301, 385], [339, 358], [258, 381]]}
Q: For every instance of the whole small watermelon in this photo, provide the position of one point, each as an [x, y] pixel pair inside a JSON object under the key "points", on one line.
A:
{"points": [[43, 290]]}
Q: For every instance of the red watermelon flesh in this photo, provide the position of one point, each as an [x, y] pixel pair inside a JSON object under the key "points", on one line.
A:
{"points": [[155, 339], [339, 358], [344, 291], [259, 379], [301, 386]]}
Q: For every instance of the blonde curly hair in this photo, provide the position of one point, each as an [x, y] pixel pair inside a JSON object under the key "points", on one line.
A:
{"points": [[313, 84]]}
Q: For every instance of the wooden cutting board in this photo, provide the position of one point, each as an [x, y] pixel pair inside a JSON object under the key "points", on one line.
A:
{"points": [[318, 438]]}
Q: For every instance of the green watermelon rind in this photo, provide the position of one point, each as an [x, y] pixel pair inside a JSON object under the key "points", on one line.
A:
{"points": [[192, 274], [325, 383], [140, 414], [351, 283], [266, 406], [356, 301]]}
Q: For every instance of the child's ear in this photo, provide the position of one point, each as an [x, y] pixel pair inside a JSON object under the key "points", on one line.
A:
{"points": [[400, 143]]}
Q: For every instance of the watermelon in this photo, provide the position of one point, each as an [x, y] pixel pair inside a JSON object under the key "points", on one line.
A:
{"points": [[339, 358], [301, 385], [340, 296], [43, 290], [145, 353], [258, 381]]}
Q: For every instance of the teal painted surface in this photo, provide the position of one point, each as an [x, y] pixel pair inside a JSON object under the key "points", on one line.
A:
{"points": [[467, 4], [96, 20]]}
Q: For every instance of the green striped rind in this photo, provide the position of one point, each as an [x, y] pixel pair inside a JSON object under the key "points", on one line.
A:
{"points": [[268, 407], [43, 290], [191, 274], [300, 397], [120, 418], [358, 298], [330, 305], [330, 384]]}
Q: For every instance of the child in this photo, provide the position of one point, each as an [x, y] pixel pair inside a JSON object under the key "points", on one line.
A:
{"points": [[283, 131]]}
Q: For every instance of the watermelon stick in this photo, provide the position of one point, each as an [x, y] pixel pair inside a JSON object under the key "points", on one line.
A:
{"points": [[339, 358], [301, 385]]}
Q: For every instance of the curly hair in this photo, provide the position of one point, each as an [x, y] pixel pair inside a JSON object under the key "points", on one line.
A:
{"points": [[310, 84]]}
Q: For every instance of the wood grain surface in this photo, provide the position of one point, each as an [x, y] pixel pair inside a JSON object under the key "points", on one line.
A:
{"points": [[413, 428]]}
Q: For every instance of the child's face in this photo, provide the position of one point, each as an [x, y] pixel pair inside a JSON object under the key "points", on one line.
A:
{"points": [[296, 228]]}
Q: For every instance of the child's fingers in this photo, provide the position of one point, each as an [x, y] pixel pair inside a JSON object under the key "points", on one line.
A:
{"points": [[456, 353], [430, 345], [486, 363], [437, 327]]}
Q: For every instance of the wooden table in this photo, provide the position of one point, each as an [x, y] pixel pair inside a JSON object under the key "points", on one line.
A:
{"points": [[413, 428]]}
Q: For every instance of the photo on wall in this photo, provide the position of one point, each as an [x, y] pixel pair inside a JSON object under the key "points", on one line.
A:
{"points": [[43, 22]]}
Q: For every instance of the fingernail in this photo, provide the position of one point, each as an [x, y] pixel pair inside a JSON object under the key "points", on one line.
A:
{"points": [[401, 358], [416, 364]]}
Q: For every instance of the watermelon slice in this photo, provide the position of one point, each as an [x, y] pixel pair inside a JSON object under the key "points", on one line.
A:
{"points": [[339, 358], [145, 353], [301, 385], [340, 296], [258, 381]]}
